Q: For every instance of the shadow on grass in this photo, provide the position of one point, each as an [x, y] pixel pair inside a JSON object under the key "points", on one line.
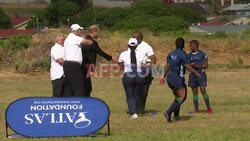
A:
{"points": [[185, 117], [150, 112]]}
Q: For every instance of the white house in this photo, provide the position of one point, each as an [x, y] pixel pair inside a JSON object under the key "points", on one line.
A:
{"points": [[238, 9], [112, 3]]}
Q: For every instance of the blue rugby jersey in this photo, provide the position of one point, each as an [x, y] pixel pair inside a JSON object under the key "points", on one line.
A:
{"points": [[177, 60], [198, 58]]}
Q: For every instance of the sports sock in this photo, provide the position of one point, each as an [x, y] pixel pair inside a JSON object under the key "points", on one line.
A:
{"points": [[196, 102], [206, 99]]}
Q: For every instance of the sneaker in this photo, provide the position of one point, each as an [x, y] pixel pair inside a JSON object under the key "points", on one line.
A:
{"points": [[168, 117], [134, 116], [210, 111]]}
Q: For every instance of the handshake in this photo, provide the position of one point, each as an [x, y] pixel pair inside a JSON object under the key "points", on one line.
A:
{"points": [[115, 59]]}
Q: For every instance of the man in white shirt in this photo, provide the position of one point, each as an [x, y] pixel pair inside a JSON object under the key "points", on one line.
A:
{"points": [[56, 69], [73, 60], [148, 60], [133, 79]]}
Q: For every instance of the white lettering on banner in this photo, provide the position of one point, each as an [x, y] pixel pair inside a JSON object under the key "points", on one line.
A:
{"points": [[59, 118], [56, 107]]}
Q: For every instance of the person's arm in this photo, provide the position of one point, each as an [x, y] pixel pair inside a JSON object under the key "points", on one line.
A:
{"points": [[153, 59], [166, 70], [57, 55], [203, 66], [186, 62], [192, 70], [60, 61], [85, 41], [99, 51], [151, 54]]}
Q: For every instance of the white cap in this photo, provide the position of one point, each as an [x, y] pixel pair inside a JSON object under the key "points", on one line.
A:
{"points": [[132, 42], [75, 27]]}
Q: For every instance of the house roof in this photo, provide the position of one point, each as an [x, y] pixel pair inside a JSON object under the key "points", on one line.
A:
{"points": [[238, 7], [212, 23], [195, 7], [6, 33], [18, 20], [223, 28]]}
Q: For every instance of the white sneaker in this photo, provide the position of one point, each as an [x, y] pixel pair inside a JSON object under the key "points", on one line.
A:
{"points": [[134, 116]]}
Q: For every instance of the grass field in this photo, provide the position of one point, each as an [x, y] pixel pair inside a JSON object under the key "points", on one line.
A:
{"points": [[228, 91]]}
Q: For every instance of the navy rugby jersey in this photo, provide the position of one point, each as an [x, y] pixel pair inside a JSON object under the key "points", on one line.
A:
{"points": [[198, 58], [177, 60]]}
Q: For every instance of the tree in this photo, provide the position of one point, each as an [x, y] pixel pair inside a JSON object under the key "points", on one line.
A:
{"points": [[4, 20], [80, 3]]}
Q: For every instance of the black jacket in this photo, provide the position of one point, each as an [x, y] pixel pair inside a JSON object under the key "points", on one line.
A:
{"points": [[89, 52]]}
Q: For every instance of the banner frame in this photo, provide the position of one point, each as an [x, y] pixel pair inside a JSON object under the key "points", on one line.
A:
{"points": [[106, 124]]}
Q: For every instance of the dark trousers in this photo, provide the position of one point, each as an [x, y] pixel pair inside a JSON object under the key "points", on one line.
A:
{"points": [[132, 87], [144, 92], [60, 89], [74, 78], [87, 80]]}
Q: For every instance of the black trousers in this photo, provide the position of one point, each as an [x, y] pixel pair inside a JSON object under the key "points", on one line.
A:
{"points": [[132, 87], [74, 78], [60, 89], [87, 80], [144, 92]]}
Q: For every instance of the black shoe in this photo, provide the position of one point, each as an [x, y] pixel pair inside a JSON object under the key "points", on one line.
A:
{"points": [[167, 116]]}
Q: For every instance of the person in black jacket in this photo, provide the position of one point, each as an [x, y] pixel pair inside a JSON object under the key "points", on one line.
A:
{"points": [[89, 54]]}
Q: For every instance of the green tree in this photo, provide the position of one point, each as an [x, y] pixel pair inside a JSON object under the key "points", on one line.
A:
{"points": [[4, 20]]}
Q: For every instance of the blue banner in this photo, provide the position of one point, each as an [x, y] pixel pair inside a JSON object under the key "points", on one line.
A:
{"points": [[50, 117]]}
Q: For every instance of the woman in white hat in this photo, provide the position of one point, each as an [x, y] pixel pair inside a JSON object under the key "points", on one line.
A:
{"points": [[133, 79]]}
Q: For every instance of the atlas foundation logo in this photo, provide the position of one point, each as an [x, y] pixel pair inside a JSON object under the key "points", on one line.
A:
{"points": [[77, 119]]}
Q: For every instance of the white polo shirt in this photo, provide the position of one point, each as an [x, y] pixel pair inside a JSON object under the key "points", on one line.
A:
{"points": [[145, 49], [125, 58], [72, 45], [56, 70]]}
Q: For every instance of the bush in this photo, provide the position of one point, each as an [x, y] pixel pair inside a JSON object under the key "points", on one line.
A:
{"points": [[154, 24], [149, 14], [4, 20], [16, 43], [62, 11], [237, 63]]}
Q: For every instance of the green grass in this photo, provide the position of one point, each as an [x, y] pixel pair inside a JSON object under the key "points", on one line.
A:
{"points": [[228, 91]]}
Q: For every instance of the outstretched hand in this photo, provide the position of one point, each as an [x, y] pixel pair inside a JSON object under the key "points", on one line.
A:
{"points": [[115, 59], [162, 80]]}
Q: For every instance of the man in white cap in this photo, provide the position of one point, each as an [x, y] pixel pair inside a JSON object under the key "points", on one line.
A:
{"points": [[73, 60], [133, 79]]}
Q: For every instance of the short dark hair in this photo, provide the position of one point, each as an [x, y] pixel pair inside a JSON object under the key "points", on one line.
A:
{"points": [[138, 35], [180, 43], [196, 42]]}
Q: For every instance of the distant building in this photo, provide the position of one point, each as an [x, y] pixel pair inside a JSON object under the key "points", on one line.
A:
{"points": [[112, 3], [198, 8], [238, 9], [221, 2], [7, 33], [220, 28], [19, 22], [240, 20]]}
